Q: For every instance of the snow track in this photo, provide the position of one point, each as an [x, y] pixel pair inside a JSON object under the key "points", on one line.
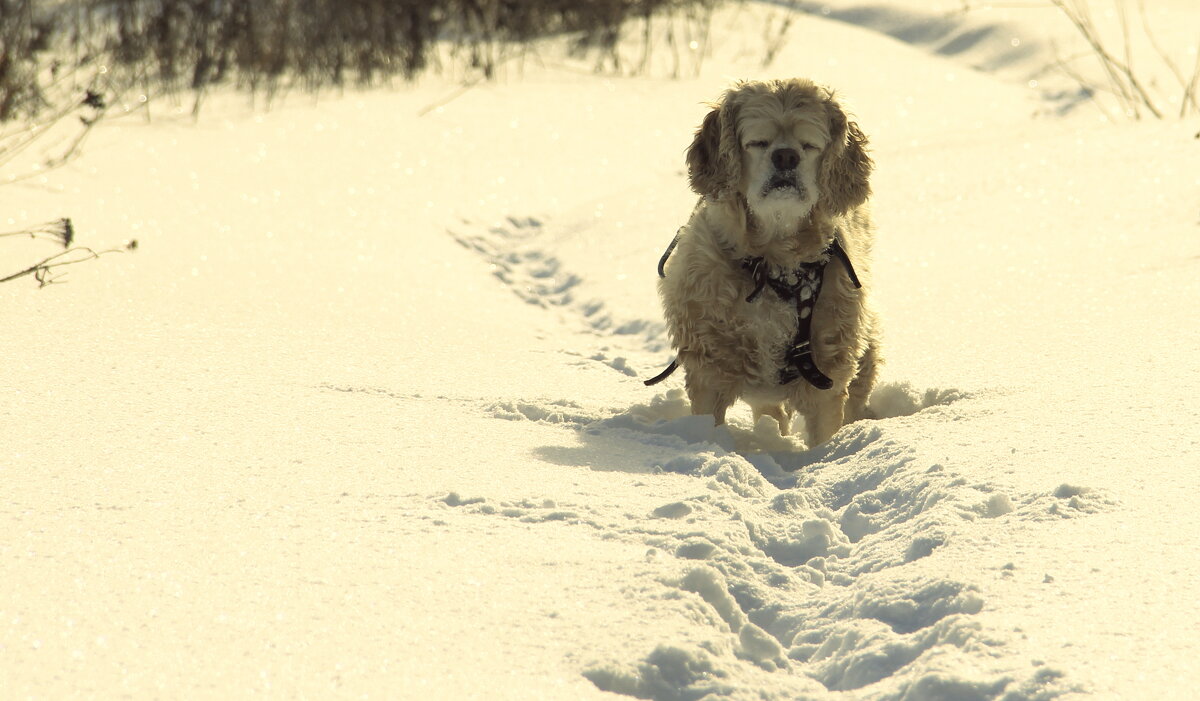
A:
{"points": [[811, 565], [812, 580], [538, 277]]}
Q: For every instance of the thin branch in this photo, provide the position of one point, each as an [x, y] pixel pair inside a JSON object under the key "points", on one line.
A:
{"points": [[774, 43], [459, 92], [1127, 66], [1083, 24], [1120, 7], [60, 231], [41, 271], [14, 143], [1188, 94], [1088, 89], [1129, 89], [1145, 96]]}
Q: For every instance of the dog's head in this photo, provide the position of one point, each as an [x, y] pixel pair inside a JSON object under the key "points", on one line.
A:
{"points": [[786, 146]]}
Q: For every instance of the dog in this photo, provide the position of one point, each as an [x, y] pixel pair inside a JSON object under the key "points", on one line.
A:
{"points": [[765, 288]]}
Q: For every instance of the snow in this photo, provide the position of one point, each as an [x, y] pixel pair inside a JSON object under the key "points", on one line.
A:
{"points": [[363, 414]]}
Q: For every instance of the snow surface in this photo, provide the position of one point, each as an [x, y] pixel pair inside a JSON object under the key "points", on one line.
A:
{"points": [[362, 416]]}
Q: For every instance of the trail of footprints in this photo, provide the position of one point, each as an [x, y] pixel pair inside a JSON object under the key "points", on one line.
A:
{"points": [[789, 568], [806, 564], [540, 279]]}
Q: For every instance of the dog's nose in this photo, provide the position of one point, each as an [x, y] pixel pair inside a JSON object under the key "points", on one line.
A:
{"points": [[785, 158]]}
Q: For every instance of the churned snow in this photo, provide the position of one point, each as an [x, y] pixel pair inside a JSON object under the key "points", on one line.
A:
{"points": [[363, 414]]}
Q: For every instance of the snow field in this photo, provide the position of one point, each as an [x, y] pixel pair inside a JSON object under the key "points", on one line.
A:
{"points": [[363, 415]]}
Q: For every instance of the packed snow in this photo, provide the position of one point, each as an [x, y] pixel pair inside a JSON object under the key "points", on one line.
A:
{"points": [[363, 415]]}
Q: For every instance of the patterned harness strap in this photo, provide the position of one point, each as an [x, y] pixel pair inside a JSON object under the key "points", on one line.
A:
{"points": [[801, 286]]}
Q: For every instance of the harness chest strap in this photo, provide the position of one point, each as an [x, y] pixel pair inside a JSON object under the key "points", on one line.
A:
{"points": [[801, 286]]}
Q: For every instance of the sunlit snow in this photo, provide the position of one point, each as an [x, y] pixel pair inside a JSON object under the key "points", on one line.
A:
{"points": [[363, 414]]}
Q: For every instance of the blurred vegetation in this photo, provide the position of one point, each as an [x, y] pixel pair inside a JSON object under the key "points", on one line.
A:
{"points": [[64, 63], [176, 45]]}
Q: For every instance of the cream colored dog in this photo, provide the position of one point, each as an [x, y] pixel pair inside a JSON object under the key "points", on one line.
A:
{"points": [[761, 293]]}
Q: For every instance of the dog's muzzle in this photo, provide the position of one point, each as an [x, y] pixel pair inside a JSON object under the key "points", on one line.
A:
{"points": [[783, 183], [785, 177], [783, 180]]}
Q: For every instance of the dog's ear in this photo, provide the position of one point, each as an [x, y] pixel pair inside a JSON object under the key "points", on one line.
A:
{"points": [[845, 165], [703, 156], [714, 158]]}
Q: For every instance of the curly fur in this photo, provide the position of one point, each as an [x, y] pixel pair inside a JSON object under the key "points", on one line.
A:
{"points": [[781, 171]]}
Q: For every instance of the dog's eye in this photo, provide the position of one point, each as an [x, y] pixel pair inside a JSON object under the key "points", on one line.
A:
{"points": [[756, 144], [809, 147]]}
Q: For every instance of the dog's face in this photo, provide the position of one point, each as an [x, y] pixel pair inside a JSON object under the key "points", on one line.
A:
{"points": [[785, 146], [781, 156]]}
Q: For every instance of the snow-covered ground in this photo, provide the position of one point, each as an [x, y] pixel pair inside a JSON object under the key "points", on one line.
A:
{"points": [[363, 414]]}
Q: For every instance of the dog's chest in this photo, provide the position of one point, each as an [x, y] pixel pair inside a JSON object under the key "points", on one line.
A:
{"points": [[769, 324], [780, 310], [768, 321]]}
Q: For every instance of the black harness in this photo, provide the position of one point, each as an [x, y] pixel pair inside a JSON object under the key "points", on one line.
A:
{"points": [[802, 286]]}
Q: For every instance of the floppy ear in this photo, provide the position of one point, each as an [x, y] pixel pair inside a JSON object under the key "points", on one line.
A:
{"points": [[845, 165], [704, 172], [714, 158]]}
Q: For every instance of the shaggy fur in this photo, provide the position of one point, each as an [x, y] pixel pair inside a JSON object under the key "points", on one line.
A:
{"points": [[781, 171]]}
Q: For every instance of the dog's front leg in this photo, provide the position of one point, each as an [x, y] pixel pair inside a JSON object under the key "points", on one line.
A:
{"points": [[707, 399], [863, 382], [782, 416], [826, 417]]}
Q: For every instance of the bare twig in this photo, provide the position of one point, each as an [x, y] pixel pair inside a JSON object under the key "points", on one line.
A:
{"points": [[1141, 91], [41, 271], [458, 92], [1189, 96], [702, 45], [1190, 93], [774, 37], [90, 110], [1124, 81], [1078, 15], [1120, 7], [60, 231], [1088, 88]]}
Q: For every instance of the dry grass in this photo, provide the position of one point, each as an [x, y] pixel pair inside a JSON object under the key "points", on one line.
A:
{"points": [[1125, 79], [265, 46]]}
